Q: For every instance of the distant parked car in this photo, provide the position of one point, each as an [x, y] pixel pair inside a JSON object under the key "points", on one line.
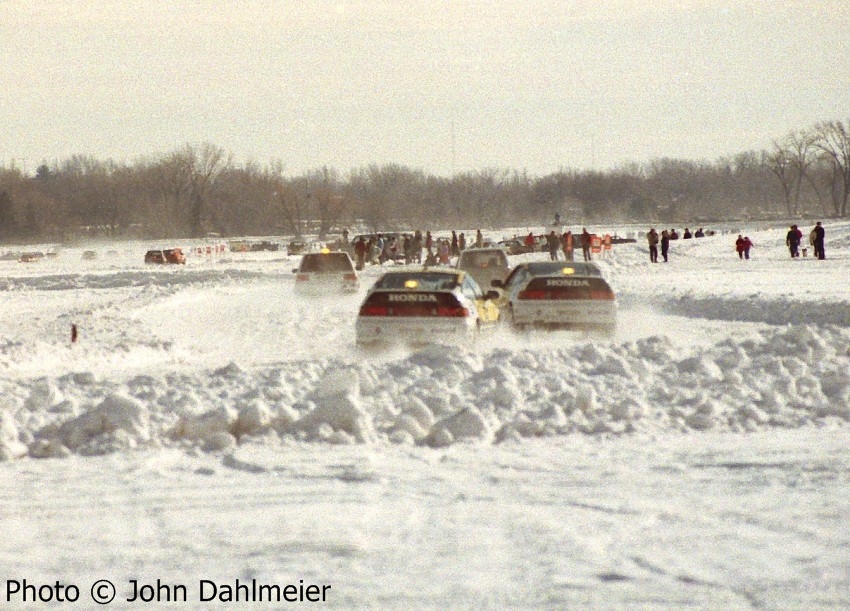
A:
{"points": [[30, 257], [167, 255], [515, 247], [297, 247], [88, 255], [264, 245]]}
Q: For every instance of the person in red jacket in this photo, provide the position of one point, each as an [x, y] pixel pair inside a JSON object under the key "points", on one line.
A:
{"points": [[742, 246]]}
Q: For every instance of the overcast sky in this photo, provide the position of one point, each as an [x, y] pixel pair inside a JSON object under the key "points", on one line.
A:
{"points": [[438, 85]]}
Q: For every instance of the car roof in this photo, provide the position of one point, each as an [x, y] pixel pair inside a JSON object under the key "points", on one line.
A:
{"points": [[546, 268], [330, 253], [484, 249], [423, 271], [391, 279]]}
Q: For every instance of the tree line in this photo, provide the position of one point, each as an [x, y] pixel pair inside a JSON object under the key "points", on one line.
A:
{"points": [[198, 189]]}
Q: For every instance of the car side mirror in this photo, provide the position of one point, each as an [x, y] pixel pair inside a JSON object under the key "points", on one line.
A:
{"points": [[491, 295]]}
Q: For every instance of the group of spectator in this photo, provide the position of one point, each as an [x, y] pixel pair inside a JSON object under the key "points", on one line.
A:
{"points": [[565, 243], [743, 244], [409, 247], [380, 248], [794, 238]]}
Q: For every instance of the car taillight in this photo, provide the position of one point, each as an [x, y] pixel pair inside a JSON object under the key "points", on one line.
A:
{"points": [[532, 295], [302, 277], [374, 310], [452, 311], [350, 277], [602, 295]]}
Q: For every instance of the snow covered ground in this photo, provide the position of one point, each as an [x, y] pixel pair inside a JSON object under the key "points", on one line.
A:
{"points": [[210, 426]]}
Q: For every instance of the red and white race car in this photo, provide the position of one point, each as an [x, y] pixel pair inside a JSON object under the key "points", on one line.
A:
{"points": [[424, 306], [558, 294]]}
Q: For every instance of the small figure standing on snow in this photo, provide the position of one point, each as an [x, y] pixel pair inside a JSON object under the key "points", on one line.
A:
{"points": [[554, 244], [792, 240], [665, 244], [742, 246], [819, 233], [73, 333], [652, 240]]}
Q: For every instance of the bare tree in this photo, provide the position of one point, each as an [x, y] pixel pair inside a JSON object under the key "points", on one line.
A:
{"points": [[833, 142]]}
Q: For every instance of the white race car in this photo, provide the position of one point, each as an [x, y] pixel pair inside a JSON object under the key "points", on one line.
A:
{"points": [[326, 271], [424, 306], [558, 294]]}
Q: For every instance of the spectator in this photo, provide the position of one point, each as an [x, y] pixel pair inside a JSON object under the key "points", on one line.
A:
{"points": [[568, 245], [792, 240], [742, 246], [586, 239], [687, 235], [455, 245], [665, 244], [479, 239], [553, 243], [819, 233], [360, 249], [461, 242], [699, 233], [747, 246], [652, 240]]}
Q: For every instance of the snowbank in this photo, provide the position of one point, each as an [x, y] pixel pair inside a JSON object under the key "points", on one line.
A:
{"points": [[796, 376]]}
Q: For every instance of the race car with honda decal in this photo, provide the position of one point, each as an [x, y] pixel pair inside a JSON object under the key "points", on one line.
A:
{"points": [[424, 306], [558, 294]]}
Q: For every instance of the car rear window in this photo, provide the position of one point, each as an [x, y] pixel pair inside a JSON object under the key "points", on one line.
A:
{"points": [[424, 281], [326, 262]]}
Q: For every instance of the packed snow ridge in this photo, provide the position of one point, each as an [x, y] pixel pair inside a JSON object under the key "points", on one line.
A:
{"points": [[781, 377]]}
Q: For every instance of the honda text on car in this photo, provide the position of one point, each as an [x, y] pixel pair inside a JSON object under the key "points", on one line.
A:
{"points": [[558, 294], [424, 306]]}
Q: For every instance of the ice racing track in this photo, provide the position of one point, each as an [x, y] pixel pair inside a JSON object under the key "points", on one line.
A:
{"points": [[211, 425]]}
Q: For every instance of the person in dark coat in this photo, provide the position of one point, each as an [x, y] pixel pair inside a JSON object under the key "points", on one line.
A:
{"points": [[665, 244], [585, 243], [554, 245], [792, 240], [652, 240], [820, 234], [360, 250]]}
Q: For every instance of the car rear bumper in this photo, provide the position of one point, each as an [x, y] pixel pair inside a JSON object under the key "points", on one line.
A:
{"points": [[411, 330], [565, 313]]}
